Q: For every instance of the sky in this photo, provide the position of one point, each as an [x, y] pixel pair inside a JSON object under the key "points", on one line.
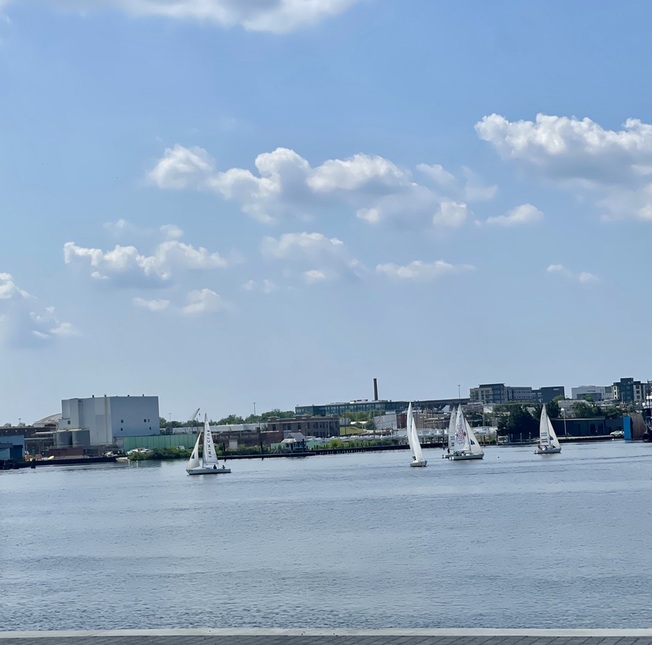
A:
{"points": [[244, 205]]}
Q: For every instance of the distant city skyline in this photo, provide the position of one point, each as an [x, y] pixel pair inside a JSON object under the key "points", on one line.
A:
{"points": [[569, 393], [274, 202]]}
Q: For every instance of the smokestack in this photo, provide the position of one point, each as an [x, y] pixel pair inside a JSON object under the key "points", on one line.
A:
{"points": [[375, 389]]}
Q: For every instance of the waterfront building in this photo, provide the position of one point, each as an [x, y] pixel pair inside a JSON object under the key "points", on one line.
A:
{"points": [[593, 393], [12, 444], [497, 393], [378, 407], [488, 393], [549, 393], [627, 390], [106, 420], [321, 426]]}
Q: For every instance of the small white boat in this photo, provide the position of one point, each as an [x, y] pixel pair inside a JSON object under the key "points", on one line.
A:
{"points": [[413, 439], [208, 464], [548, 442], [462, 443]]}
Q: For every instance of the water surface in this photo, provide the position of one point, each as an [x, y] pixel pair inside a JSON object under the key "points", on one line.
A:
{"points": [[358, 541]]}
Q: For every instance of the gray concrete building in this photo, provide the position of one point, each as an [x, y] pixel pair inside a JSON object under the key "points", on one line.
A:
{"points": [[106, 420]]}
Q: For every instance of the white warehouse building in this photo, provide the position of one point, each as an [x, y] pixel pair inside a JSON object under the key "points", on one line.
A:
{"points": [[105, 420]]}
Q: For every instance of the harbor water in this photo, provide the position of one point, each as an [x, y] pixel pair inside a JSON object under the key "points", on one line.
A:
{"points": [[346, 541]]}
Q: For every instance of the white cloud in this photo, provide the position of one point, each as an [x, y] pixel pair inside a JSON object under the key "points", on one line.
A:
{"points": [[472, 189], [151, 305], [276, 16], [614, 167], [371, 172], [280, 187], [519, 216], [451, 214], [266, 286], [285, 185], [182, 168], [119, 227], [419, 271], [326, 258], [24, 321], [584, 277], [8, 288], [126, 266], [313, 276], [171, 231], [204, 301]]}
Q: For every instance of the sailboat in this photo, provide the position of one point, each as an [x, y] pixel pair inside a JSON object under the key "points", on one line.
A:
{"points": [[548, 442], [207, 465], [413, 439], [462, 443]]}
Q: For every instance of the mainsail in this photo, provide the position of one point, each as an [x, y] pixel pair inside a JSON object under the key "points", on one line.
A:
{"points": [[209, 457]]}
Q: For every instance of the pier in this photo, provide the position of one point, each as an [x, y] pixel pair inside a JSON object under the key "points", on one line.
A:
{"points": [[335, 637]]}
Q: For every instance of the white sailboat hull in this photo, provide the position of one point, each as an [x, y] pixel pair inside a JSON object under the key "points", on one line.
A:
{"points": [[463, 456], [419, 464], [205, 470], [547, 451]]}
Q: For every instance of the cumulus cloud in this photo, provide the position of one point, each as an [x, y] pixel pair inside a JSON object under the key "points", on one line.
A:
{"points": [[285, 184], [320, 258], [276, 16], [468, 188], [418, 271], [151, 305], [451, 214], [24, 321], [584, 277], [182, 168], [126, 266], [519, 216], [204, 301], [613, 167], [371, 172], [199, 301]]}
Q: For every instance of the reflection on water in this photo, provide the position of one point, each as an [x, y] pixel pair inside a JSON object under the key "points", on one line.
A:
{"points": [[515, 540]]}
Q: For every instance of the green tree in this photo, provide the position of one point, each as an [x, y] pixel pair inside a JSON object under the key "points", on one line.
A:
{"points": [[231, 420], [518, 423], [552, 408], [585, 410]]}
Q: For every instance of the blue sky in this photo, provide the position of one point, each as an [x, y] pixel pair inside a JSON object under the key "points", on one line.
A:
{"points": [[223, 202]]}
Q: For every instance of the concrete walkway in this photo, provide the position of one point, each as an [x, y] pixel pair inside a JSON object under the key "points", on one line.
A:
{"points": [[335, 637]]}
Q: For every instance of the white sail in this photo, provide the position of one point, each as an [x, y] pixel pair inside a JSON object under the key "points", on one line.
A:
{"points": [[548, 442], [474, 446], [461, 438], [451, 430], [554, 442], [544, 429], [209, 458], [193, 462], [415, 444]]}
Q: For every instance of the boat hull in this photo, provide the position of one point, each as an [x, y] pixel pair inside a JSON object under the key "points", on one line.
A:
{"points": [[419, 464], [463, 457], [548, 451], [208, 471]]}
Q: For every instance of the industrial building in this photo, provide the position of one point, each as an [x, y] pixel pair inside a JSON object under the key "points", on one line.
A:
{"points": [[12, 444], [106, 420], [491, 393]]}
